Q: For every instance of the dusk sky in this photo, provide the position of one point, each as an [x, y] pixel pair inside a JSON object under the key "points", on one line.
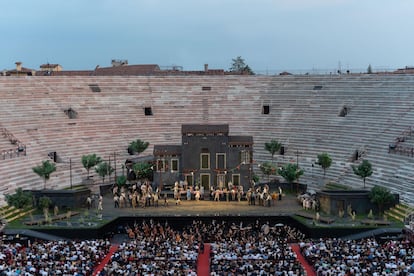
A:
{"points": [[271, 35]]}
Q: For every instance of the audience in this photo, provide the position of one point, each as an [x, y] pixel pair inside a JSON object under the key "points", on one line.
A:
{"points": [[255, 249], [154, 248], [359, 257], [52, 257]]}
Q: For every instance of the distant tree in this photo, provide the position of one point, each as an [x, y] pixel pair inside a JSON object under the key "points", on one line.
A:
{"points": [[103, 169], [325, 161], [380, 196], [239, 66], [45, 170], [290, 172], [89, 161], [20, 199], [364, 170], [143, 170], [273, 147], [137, 146], [369, 69], [248, 71], [268, 169]]}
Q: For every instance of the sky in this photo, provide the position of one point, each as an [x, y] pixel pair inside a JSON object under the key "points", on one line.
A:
{"points": [[270, 35]]}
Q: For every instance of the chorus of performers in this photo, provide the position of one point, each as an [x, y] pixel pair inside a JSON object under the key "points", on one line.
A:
{"points": [[144, 194]]}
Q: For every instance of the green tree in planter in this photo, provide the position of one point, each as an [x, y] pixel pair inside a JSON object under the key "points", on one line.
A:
{"points": [[121, 180], [255, 178], [291, 173], [325, 161], [143, 170], [137, 146], [364, 170], [103, 169], [273, 147], [20, 199], [268, 169], [45, 170], [89, 161], [380, 196], [44, 204]]}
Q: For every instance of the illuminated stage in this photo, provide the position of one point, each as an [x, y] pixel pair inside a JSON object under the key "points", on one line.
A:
{"points": [[114, 220]]}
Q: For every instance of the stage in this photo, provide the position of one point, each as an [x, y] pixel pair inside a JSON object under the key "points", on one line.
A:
{"points": [[111, 220], [287, 206]]}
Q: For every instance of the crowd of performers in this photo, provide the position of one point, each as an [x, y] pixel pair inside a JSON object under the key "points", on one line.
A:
{"points": [[143, 194], [138, 195]]}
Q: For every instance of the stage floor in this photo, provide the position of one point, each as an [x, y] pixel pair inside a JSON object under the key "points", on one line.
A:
{"points": [[287, 206]]}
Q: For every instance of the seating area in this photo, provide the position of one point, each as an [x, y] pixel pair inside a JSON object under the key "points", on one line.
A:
{"points": [[359, 257], [254, 249], [52, 257], [155, 248], [235, 247], [305, 120]]}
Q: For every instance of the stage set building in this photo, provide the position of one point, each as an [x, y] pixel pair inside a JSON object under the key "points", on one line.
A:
{"points": [[208, 157]]}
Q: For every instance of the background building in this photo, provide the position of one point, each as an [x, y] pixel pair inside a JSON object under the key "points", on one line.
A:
{"points": [[208, 157]]}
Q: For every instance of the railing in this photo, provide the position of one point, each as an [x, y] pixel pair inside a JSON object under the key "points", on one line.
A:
{"points": [[19, 150], [398, 147]]}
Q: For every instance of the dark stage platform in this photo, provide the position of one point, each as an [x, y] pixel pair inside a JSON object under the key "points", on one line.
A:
{"points": [[178, 215]]}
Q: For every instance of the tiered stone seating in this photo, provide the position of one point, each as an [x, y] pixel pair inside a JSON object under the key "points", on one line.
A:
{"points": [[306, 120]]}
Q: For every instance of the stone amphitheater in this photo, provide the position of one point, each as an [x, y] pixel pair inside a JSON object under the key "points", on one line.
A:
{"points": [[351, 117]]}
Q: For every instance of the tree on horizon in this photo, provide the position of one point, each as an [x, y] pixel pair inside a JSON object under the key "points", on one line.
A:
{"points": [[369, 69], [239, 66]]}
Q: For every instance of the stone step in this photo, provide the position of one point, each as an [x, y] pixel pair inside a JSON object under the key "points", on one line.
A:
{"points": [[394, 215]]}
